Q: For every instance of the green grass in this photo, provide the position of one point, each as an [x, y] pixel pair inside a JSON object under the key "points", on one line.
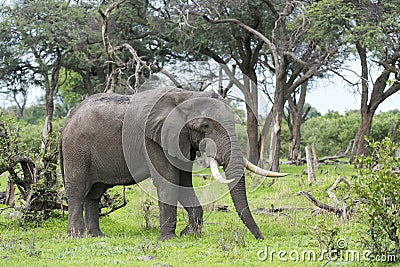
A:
{"points": [[225, 240]]}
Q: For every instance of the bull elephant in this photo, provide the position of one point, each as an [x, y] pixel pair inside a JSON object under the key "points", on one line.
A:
{"points": [[112, 139]]}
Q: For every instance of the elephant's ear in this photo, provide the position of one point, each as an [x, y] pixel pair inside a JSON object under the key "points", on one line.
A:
{"points": [[166, 123]]}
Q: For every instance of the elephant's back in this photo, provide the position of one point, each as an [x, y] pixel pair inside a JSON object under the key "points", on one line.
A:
{"points": [[100, 100], [93, 133], [97, 117]]}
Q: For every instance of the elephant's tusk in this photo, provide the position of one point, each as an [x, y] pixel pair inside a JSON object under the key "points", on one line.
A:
{"points": [[251, 167], [216, 174]]}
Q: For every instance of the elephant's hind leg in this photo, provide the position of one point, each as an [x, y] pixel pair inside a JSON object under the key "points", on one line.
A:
{"points": [[75, 192], [75, 217], [189, 200], [92, 210]]}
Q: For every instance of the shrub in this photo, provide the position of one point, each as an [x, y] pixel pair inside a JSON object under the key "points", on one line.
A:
{"points": [[377, 187], [33, 171]]}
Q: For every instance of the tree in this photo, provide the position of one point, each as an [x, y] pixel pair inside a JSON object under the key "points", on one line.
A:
{"points": [[272, 34], [188, 32], [86, 57], [377, 23], [296, 116], [292, 58], [370, 28], [39, 35]]}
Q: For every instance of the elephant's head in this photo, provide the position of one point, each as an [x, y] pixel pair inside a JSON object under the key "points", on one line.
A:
{"points": [[183, 122]]}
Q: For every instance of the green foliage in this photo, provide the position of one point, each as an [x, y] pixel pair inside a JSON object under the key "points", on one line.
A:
{"points": [[332, 132], [32, 167], [372, 24], [377, 188], [71, 90], [330, 19], [34, 114], [9, 141], [312, 113], [38, 37], [327, 236], [45, 193]]}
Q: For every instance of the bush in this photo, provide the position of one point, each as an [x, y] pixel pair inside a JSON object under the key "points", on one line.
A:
{"points": [[32, 170], [376, 186], [332, 132]]}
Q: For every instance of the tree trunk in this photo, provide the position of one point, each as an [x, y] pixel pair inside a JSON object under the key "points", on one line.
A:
{"points": [[252, 133], [48, 125], [86, 77], [294, 143], [51, 84], [297, 118], [251, 98], [10, 194], [263, 137], [275, 146], [310, 169], [278, 107], [363, 131]]}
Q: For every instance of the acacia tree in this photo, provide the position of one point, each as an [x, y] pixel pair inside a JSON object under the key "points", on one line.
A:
{"points": [[291, 57], [185, 32], [87, 57], [370, 30], [377, 38], [296, 116], [39, 35]]}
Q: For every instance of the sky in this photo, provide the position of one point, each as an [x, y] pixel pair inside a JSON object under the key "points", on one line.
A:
{"points": [[336, 94], [337, 97]]}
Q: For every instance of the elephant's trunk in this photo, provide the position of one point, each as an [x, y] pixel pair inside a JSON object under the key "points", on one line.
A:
{"points": [[234, 169]]}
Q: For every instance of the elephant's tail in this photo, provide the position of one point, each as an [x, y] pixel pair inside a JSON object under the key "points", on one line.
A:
{"points": [[61, 158]]}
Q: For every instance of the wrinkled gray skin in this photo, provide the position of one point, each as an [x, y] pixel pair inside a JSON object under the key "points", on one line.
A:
{"points": [[92, 156]]}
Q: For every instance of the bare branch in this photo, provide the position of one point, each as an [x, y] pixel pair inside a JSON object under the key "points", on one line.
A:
{"points": [[344, 78], [317, 203], [135, 63], [106, 42], [341, 212], [270, 44]]}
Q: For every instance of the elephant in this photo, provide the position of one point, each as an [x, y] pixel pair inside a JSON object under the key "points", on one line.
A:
{"points": [[112, 139]]}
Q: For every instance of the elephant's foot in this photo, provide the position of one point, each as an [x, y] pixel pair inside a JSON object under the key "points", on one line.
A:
{"points": [[168, 236], [190, 230]]}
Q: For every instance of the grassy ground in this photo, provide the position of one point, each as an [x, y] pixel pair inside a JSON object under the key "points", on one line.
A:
{"points": [[225, 240]]}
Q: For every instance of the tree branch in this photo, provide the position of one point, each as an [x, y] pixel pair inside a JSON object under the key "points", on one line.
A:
{"points": [[106, 42], [270, 44]]}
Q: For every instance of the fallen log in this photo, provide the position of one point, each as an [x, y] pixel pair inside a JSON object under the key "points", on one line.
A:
{"points": [[325, 160], [342, 211]]}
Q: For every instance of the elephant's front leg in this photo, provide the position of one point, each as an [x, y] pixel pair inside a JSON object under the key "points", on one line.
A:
{"points": [[167, 220], [189, 200], [167, 201], [166, 179]]}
